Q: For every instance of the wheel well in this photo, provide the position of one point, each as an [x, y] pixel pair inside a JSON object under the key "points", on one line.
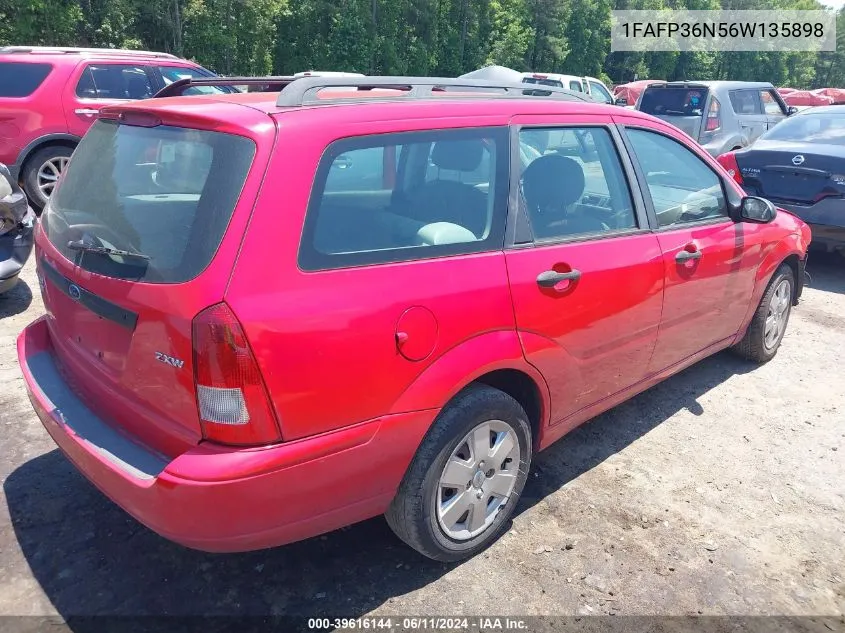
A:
{"points": [[522, 388], [793, 262], [52, 143]]}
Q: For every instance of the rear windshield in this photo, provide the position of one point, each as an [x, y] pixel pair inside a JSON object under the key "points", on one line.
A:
{"points": [[19, 79], [162, 195], [673, 101], [543, 82], [810, 128]]}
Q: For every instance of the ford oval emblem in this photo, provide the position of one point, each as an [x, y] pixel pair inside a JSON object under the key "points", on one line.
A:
{"points": [[74, 292], [798, 160]]}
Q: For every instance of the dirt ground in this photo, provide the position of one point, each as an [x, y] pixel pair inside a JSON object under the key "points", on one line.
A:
{"points": [[721, 491]]}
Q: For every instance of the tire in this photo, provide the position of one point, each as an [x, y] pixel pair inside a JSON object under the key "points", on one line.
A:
{"points": [[34, 184], [413, 514], [760, 344]]}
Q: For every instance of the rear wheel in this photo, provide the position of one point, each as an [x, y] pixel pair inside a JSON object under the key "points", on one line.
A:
{"points": [[42, 171], [466, 478], [768, 325]]}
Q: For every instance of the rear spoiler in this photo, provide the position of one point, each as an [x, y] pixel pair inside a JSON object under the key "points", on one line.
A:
{"points": [[678, 84]]}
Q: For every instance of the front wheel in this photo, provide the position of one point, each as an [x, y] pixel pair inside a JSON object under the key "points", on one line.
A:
{"points": [[466, 478], [768, 325]]}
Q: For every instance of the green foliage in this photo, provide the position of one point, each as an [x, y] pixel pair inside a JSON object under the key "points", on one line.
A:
{"points": [[409, 37]]}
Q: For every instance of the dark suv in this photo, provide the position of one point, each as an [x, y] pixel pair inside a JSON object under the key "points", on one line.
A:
{"points": [[49, 97]]}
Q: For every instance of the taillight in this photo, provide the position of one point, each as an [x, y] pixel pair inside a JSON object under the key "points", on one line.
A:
{"points": [[234, 407], [714, 119], [728, 161]]}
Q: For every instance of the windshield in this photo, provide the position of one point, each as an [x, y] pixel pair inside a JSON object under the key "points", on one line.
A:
{"points": [[662, 101], [169, 74], [161, 195], [826, 128]]}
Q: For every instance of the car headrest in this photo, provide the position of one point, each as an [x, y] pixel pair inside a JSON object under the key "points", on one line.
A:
{"points": [[458, 155], [552, 182], [137, 87]]}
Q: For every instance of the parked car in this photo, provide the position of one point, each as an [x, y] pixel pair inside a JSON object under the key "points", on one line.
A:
{"points": [[262, 350], [589, 85], [800, 166], [49, 97], [16, 226], [721, 115]]}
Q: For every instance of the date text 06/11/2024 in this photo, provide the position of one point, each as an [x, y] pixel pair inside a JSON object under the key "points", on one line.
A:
{"points": [[419, 624]]}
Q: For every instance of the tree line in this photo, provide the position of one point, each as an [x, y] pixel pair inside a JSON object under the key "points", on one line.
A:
{"points": [[407, 37]]}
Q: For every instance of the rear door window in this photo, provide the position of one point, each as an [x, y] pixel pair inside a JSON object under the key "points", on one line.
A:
{"points": [[164, 195], [745, 101], [115, 81], [673, 101], [577, 186], [419, 195], [20, 79], [576, 85]]}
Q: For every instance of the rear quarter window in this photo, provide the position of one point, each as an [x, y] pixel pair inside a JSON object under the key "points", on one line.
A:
{"points": [[165, 194], [21, 79], [418, 195]]}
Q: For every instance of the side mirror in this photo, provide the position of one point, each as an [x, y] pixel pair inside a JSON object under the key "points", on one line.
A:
{"points": [[791, 110], [621, 101], [756, 210]]}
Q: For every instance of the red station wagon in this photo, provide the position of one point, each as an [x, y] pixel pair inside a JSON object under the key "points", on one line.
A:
{"points": [[273, 315]]}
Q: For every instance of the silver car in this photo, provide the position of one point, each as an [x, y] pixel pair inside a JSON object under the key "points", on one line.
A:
{"points": [[721, 115]]}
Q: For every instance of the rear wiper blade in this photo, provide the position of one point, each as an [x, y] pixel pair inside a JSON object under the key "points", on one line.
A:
{"points": [[79, 245]]}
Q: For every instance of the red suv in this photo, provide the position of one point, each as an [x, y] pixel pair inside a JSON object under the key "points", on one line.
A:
{"points": [[273, 315], [49, 97]]}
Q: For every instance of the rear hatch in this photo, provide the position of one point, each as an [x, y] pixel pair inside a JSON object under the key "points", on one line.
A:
{"points": [[681, 105], [800, 160], [131, 249]]}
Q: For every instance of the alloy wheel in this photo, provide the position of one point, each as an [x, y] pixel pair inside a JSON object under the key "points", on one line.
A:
{"points": [[477, 480]]}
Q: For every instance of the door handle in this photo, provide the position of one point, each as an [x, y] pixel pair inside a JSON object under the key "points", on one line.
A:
{"points": [[86, 111], [685, 256], [551, 278]]}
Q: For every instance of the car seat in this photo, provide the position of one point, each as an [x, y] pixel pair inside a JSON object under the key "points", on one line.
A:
{"points": [[550, 186], [442, 200]]}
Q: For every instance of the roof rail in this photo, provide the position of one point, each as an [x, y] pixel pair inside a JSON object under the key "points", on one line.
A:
{"points": [[304, 89], [297, 91], [178, 87], [58, 50]]}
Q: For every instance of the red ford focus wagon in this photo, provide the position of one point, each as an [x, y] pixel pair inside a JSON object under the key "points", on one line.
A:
{"points": [[270, 315]]}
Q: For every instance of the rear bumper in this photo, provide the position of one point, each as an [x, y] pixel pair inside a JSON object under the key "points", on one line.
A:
{"points": [[226, 499], [826, 219], [15, 249]]}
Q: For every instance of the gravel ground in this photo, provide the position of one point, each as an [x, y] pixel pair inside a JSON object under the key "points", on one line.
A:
{"points": [[720, 491]]}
